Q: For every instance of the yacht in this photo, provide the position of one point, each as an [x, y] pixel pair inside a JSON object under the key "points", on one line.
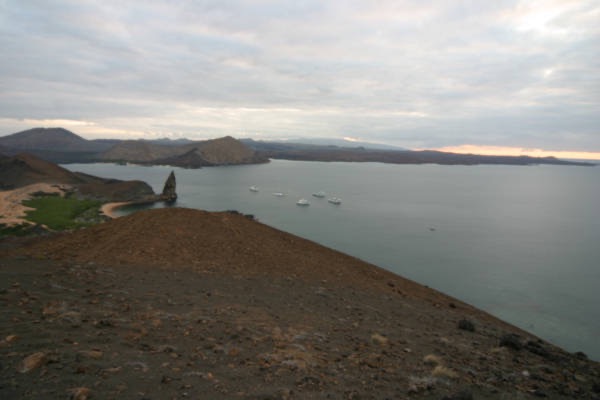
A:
{"points": [[319, 194], [303, 202], [335, 200], [253, 189]]}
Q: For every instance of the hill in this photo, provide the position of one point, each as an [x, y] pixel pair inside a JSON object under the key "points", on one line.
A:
{"points": [[222, 151], [53, 144], [26, 169], [138, 151], [175, 303]]}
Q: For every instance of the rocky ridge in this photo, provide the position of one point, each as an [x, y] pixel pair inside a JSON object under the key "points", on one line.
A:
{"points": [[222, 151], [25, 169]]}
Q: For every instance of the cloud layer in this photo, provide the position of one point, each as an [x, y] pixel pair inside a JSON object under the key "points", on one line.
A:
{"points": [[506, 73]]}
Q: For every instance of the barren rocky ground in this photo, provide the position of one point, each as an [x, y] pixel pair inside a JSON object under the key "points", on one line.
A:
{"points": [[177, 303]]}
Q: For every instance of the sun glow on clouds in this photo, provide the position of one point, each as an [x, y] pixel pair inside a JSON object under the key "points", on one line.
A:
{"points": [[519, 151], [86, 129], [407, 73]]}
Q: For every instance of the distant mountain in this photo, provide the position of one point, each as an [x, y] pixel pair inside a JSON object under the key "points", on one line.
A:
{"points": [[52, 139], [223, 151], [138, 151], [333, 153], [228, 151], [53, 144], [345, 143], [170, 142]]}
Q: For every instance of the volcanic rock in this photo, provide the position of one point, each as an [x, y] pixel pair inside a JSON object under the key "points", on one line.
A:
{"points": [[169, 194]]}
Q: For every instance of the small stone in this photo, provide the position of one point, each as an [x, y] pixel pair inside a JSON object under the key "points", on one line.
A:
{"points": [[10, 338], [71, 317], [121, 387], [432, 360], [32, 362], [104, 323], [112, 370], [443, 372], [511, 340], [52, 308], [79, 393], [93, 354], [381, 340], [538, 348], [466, 325], [462, 395]]}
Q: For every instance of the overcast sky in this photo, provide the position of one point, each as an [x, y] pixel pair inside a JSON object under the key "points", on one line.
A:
{"points": [[415, 74]]}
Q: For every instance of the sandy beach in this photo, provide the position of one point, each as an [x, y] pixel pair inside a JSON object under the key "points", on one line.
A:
{"points": [[12, 210], [109, 209]]}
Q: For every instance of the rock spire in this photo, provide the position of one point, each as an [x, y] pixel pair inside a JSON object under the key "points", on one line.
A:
{"points": [[168, 194]]}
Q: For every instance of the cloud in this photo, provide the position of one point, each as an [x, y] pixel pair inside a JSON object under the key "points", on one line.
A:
{"points": [[409, 73]]}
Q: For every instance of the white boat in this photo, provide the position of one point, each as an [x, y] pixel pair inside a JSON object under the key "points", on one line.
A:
{"points": [[319, 194], [278, 194], [335, 200], [303, 202], [253, 189]]}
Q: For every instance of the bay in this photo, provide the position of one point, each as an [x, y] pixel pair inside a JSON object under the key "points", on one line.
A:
{"points": [[521, 242]]}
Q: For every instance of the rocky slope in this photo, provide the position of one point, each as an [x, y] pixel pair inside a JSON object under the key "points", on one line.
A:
{"points": [[178, 303], [223, 151], [138, 151], [25, 169]]}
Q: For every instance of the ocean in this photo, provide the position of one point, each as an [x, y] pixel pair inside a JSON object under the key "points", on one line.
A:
{"points": [[520, 242]]}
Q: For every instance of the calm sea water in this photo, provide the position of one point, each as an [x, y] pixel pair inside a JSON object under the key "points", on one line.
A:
{"points": [[522, 243]]}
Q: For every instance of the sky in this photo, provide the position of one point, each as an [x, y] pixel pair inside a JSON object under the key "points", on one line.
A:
{"points": [[466, 76]]}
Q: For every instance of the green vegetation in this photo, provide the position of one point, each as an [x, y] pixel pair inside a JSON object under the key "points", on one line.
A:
{"points": [[60, 213]]}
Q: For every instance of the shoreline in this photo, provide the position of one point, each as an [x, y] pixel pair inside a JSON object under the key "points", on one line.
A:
{"points": [[109, 209]]}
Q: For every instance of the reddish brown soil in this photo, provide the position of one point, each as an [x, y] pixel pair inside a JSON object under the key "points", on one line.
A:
{"points": [[177, 303]]}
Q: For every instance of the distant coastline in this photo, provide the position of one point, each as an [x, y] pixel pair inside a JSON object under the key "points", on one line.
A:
{"points": [[44, 142]]}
